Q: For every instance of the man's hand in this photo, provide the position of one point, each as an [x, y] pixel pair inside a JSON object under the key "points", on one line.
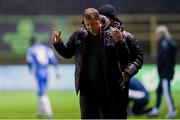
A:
{"points": [[116, 34], [125, 76], [56, 37]]}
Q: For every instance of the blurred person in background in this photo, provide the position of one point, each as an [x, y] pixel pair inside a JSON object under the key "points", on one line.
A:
{"points": [[98, 76], [139, 96], [130, 57], [166, 60], [39, 57]]}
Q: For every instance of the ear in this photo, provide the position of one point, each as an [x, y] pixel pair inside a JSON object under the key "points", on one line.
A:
{"points": [[100, 19], [83, 25]]}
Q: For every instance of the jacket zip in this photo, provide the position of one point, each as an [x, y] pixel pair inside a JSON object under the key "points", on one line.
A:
{"points": [[104, 61], [80, 69]]}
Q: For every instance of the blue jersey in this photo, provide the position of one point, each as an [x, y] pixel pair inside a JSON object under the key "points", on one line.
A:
{"points": [[38, 58], [137, 91]]}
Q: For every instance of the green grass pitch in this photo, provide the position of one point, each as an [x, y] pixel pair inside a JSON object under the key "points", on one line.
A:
{"points": [[23, 105]]}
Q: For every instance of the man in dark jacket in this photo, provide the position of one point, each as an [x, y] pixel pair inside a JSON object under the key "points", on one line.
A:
{"points": [[97, 74], [131, 57], [166, 60]]}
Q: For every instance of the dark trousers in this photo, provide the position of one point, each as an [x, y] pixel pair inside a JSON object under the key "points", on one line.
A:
{"points": [[164, 87], [99, 107], [139, 105]]}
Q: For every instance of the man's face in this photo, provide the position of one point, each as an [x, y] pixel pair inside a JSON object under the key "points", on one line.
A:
{"points": [[93, 26]]}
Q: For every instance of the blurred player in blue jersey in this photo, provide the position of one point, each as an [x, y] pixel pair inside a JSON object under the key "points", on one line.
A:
{"points": [[39, 57], [139, 96]]}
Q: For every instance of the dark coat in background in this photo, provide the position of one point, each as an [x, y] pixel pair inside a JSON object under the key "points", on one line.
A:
{"points": [[166, 58]]}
